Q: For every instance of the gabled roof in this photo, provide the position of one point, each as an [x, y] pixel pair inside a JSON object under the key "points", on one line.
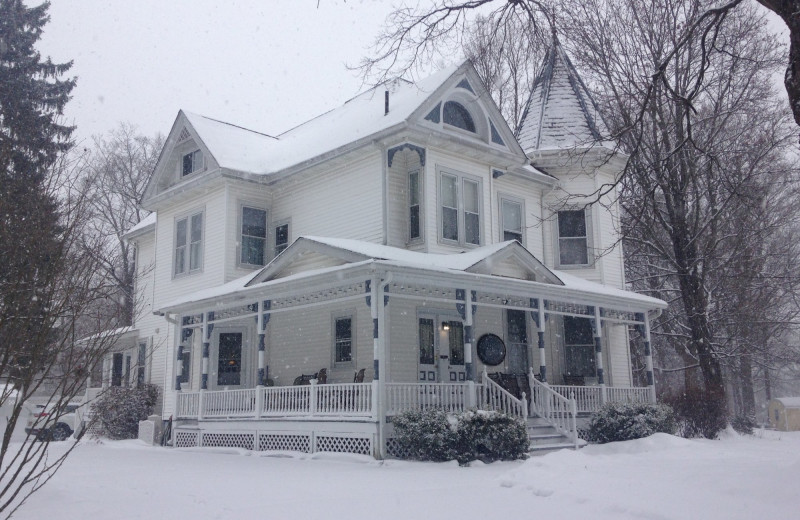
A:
{"points": [[142, 227], [560, 112]]}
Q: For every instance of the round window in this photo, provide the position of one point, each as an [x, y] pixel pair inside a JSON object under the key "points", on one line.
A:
{"points": [[491, 350]]}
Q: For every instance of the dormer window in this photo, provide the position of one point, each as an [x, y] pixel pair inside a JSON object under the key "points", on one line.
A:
{"points": [[192, 162], [457, 115]]}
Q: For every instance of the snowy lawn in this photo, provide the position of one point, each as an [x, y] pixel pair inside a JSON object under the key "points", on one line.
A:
{"points": [[661, 477]]}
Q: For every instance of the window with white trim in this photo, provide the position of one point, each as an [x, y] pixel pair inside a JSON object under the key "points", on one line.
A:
{"points": [[511, 220], [579, 347], [192, 162], [460, 209], [414, 206], [188, 244], [343, 339], [254, 236], [573, 232], [281, 237]]}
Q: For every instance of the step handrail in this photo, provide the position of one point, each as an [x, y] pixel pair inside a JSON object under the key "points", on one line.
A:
{"points": [[492, 393], [557, 410]]}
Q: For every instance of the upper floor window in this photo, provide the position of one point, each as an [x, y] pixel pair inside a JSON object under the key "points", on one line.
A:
{"points": [[414, 224], [460, 209], [192, 162], [456, 114], [343, 340], [254, 236], [511, 218], [281, 238], [189, 244], [573, 238]]}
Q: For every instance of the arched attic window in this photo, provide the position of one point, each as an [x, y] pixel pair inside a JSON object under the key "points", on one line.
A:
{"points": [[456, 114]]}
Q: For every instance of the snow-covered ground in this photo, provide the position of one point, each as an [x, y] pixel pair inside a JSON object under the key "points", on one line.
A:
{"points": [[661, 477]]}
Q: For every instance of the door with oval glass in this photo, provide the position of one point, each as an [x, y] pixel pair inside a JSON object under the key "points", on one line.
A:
{"points": [[441, 349]]}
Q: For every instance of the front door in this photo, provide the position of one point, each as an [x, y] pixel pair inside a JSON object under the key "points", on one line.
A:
{"points": [[441, 349], [428, 351], [229, 360], [517, 342]]}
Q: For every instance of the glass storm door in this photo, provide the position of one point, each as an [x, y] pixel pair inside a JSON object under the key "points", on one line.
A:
{"points": [[427, 350], [517, 342], [451, 356], [229, 359]]}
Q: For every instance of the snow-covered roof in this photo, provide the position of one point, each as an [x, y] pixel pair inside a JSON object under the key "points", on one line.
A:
{"points": [[240, 149], [789, 402], [560, 112], [149, 220], [119, 332]]}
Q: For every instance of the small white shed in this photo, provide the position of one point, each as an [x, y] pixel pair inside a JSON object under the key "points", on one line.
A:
{"points": [[784, 413]]}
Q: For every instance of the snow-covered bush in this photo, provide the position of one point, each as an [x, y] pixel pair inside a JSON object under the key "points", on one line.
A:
{"points": [[118, 410], [490, 436], [434, 435], [743, 424], [626, 421], [697, 416]]}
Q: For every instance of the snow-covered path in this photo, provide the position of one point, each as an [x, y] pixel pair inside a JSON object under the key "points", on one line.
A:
{"points": [[662, 477]]}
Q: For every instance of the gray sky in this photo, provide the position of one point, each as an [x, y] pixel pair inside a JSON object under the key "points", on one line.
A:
{"points": [[262, 64], [266, 65]]}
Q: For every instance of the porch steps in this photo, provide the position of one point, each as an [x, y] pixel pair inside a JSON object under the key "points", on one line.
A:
{"points": [[544, 438]]}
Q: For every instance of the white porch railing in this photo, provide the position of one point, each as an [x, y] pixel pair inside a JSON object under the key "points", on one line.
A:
{"points": [[346, 400], [451, 397], [558, 411], [591, 398], [495, 397]]}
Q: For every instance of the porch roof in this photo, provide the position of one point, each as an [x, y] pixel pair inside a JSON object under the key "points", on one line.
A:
{"points": [[364, 260]]}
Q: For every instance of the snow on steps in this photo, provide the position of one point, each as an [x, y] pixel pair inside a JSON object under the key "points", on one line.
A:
{"points": [[544, 438]]}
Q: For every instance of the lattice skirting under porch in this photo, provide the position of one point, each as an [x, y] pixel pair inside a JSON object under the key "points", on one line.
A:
{"points": [[304, 442], [394, 450]]}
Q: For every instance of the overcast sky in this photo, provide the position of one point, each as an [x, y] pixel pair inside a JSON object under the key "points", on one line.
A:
{"points": [[262, 64], [266, 65]]}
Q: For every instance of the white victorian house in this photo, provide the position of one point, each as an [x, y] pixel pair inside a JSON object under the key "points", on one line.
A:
{"points": [[404, 250]]}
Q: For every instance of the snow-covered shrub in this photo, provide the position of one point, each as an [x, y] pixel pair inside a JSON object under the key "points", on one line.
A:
{"points": [[425, 435], [626, 421], [489, 436], [743, 424], [697, 416], [434, 435], [118, 410]]}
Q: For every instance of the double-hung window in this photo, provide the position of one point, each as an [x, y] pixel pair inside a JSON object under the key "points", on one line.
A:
{"points": [[281, 238], [189, 244], [343, 340], [414, 207], [579, 343], [192, 162], [460, 209], [254, 236], [511, 218], [573, 238]]}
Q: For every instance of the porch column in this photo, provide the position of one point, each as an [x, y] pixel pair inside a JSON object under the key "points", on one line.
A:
{"points": [[539, 319], [644, 331], [598, 345], [207, 330], [467, 312], [263, 319], [373, 310], [184, 333]]}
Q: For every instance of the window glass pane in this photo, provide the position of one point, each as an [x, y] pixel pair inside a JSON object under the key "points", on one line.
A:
{"points": [[456, 340], [571, 224], [344, 340], [197, 227], [426, 339], [472, 228], [457, 115], [579, 341], [471, 203], [413, 225], [195, 256], [180, 234], [281, 238], [510, 235], [186, 363], [449, 191], [578, 331], [253, 250], [573, 251], [229, 363], [187, 164], [413, 188], [254, 222], [450, 223], [512, 216], [180, 260]]}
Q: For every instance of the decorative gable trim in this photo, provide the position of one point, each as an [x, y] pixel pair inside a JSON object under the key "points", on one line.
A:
{"points": [[516, 254], [414, 148], [184, 135]]}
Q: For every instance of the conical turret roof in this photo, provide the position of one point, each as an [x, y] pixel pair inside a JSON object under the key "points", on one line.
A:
{"points": [[560, 112]]}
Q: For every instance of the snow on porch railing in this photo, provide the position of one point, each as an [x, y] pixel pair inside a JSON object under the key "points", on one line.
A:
{"points": [[617, 394], [557, 410], [229, 403], [188, 405], [343, 399], [495, 397], [588, 398], [279, 401], [451, 397]]}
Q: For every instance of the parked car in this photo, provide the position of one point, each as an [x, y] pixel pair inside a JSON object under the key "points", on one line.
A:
{"points": [[44, 423]]}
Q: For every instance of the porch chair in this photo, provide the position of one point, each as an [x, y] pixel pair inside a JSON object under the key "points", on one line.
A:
{"points": [[322, 376], [574, 380], [359, 376]]}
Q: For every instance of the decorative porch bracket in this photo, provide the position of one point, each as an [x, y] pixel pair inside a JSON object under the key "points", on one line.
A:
{"points": [[540, 319], [467, 318], [208, 328], [414, 148], [598, 344]]}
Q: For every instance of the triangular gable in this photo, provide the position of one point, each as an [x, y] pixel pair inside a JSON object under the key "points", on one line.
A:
{"points": [[514, 261], [182, 139], [465, 87]]}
